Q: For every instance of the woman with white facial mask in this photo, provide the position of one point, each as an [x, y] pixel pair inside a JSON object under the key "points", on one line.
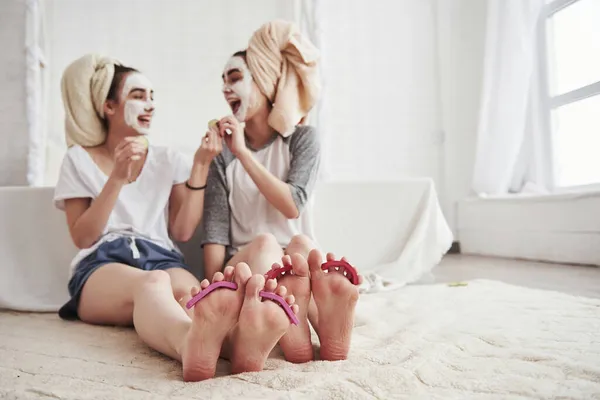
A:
{"points": [[126, 202], [260, 188]]}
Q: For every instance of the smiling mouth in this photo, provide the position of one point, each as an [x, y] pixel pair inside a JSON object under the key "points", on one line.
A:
{"points": [[235, 105], [144, 120]]}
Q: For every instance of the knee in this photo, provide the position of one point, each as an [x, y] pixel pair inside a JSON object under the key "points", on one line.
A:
{"points": [[156, 278], [265, 241], [301, 240]]}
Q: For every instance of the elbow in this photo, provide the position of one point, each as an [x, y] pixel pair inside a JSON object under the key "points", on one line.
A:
{"points": [[183, 237], [292, 213], [181, 234], [83, 242]]}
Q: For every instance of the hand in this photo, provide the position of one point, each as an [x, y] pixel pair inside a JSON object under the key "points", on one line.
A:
{"points": [[210, 147], [235, 139], [126, 152]]}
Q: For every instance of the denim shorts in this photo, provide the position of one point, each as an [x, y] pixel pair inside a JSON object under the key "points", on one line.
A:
{"points": [[143, 255]]}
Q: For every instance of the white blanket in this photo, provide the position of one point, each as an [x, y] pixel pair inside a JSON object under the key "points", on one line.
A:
{"points": [[393, 232], [487, 340]]}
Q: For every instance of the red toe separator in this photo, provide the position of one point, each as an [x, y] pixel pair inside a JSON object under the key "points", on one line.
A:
{"points": [[352, 274], [276, 273]]}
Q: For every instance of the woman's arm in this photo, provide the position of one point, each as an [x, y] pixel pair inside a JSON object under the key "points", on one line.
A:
{"points": [[290, 196], [87, 219], [187, 205], [277, 192], [214, 258]]}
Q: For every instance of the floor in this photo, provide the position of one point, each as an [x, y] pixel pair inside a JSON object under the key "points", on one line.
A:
{"points": [[571, 279]]}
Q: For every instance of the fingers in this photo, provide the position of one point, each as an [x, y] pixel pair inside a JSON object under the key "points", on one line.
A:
{"points": [[129, 149], [212, 142], [228, 126]]}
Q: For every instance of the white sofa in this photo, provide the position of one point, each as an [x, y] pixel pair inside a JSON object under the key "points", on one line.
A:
{"points": [[394, 229]]}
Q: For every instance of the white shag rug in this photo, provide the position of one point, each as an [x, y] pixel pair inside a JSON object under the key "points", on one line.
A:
{"points": [[487, 340]]}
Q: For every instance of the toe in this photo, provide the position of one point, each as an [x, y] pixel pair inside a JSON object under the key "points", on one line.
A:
{"points": [[300, 266], [228, 272], [290, 299], [204, 284], [330, 257], [195, 290], [218, 277], [286, 260], [275, 266], [271, 285], [255, 284], [242, 274], [315, 260], [295, 308], [281, 291]]}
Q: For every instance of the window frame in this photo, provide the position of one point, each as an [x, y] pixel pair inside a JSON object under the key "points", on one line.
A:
{"points": [[553, 102]]}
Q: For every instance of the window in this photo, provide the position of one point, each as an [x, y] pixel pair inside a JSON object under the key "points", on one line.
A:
{"points": [[572, 56]]}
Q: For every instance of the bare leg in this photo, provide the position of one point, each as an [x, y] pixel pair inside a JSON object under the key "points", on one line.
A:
{"points": [[118, 294], [261, 324], [335, 297], [182, 282], [260, 254]]}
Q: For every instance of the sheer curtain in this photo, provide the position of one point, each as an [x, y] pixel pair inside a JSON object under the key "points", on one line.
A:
{"points": [[513, 146], [36, 93], [309, 16]]}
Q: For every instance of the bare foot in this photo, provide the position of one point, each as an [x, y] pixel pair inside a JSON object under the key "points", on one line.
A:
{"points": [[335, 297], [214, 316], [296, 343], [260, 326]]}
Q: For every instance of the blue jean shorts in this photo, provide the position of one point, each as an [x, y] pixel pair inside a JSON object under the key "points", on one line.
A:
{"points": [[147, 256]]}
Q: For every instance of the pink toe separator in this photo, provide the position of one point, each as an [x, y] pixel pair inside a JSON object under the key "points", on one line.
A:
{"points": [[286, 307], [352, 275], [210, 288]]}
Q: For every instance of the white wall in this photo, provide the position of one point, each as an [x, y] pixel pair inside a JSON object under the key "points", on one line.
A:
{"points": [[14, 140], [382, 95], [382, 110], [181, 45], [461, 39]]}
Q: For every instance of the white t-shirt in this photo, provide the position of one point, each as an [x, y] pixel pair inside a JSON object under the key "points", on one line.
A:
{"points": [[142, 208], [235, 211]]}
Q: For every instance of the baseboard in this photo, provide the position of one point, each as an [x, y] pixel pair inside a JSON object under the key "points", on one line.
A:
{"points": [[455, 248], [559, 229]]}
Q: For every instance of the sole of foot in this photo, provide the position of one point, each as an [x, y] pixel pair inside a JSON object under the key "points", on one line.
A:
{"points": [[296, 343], [335, 298], [260, 326], [213, 317]]}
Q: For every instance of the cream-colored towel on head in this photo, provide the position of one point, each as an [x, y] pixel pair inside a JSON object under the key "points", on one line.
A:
{"points": [[85, 85], [283, 64]]}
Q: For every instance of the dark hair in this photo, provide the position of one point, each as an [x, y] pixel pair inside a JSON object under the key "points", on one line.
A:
{"points": [[241, 53], [120, 73], [113, 91]]}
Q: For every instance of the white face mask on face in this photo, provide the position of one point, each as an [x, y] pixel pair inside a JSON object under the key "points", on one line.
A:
{"points": [[242, 89], [138, 112]]}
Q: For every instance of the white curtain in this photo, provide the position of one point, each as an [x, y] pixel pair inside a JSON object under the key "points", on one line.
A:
{"points": [[309, 16], [513, 145], [36, 79]]}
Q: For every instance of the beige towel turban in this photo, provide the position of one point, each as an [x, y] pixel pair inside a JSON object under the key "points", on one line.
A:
{"points": [[85, 85], [283, 64]]}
